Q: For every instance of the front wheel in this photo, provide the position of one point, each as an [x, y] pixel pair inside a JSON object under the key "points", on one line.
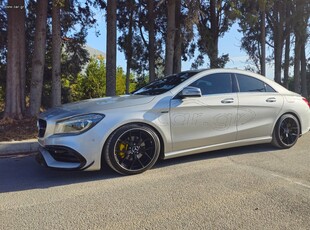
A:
{"points": [[132, 149], [286, 131]]}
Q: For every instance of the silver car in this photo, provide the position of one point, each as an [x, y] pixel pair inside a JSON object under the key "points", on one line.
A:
{"points": [[182, 114]]}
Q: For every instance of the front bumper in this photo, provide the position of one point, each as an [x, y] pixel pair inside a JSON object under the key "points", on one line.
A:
{"points": [[61, 157]]}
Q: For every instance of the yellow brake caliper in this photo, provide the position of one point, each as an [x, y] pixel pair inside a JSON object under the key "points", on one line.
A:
{"points": [[122, 150]]}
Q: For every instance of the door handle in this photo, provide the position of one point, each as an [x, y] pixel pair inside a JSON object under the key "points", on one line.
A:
{"points": [[227, 101], [271, 99]]}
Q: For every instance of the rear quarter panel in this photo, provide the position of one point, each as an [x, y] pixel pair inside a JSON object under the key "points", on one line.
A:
{"points": [[295, 104]]}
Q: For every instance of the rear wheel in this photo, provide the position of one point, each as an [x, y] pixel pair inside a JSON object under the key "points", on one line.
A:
{"points": [[286, 131], [132, 149]]}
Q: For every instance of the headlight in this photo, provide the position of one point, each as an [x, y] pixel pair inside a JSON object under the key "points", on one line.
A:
{"points": [[78, 124]]}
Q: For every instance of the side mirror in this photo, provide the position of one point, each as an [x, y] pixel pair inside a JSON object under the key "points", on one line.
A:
{"points": [[190, 91]]}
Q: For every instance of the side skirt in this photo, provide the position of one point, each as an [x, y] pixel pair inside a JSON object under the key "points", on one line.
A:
{"points": [[227, 145]]}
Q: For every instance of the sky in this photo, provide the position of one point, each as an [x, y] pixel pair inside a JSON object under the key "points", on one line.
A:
{"points": [[230, 44]]}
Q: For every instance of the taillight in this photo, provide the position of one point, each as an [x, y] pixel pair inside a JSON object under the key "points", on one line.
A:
{"points": [[305, 100]]}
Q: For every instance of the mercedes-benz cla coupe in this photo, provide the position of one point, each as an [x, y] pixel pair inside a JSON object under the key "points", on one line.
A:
{"points": [[186, 113]]}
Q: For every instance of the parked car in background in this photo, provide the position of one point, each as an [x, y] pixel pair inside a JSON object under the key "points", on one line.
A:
{"points": [[186, 113]]}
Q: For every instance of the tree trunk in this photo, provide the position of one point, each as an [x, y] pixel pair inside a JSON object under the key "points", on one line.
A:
{"points": [[38, 59], [304, 19], [22, 47], [177, 62], [213, 49], [170, 37], [129, 47], [278, 41], [300, 32], [128, 67], [151, 45], [56, 55], [15, 79], [297, 86], [263, 42], [213, 56], [111, 48], [303, 72], [287, 61], [288, 31], [278, 62]]}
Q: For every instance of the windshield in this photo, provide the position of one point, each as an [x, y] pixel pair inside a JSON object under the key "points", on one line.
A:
{"points": [[164, 84]]}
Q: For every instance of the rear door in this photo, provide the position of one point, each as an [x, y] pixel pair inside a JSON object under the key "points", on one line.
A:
{"points": [[259, 106]]}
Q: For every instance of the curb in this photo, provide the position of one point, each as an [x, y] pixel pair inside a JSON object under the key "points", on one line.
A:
{"points": [[20, 147]]}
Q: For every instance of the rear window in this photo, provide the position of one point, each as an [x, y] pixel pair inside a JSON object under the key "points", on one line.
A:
{"points": [[250, 84]]}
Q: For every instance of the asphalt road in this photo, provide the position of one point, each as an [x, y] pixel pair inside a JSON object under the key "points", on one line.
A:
{"points": [[256, 187]]}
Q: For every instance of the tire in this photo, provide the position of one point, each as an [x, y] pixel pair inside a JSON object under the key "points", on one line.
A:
{"points": [[132, 149], [286, 132]]}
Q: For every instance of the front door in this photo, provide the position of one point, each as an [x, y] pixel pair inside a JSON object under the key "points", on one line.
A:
{"points": [[207, 120]]}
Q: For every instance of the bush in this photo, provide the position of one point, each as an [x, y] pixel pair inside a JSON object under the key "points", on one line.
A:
{"points": [[92, 83]]}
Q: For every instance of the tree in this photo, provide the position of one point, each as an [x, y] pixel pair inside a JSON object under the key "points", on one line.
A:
{"points": [[151, 44], [92, 84], [129, 41], [111, 47], [170, 38], [127, 26], [15, 78], [38, 60], [75, 19], [216, 17], [148, 37], [252, 21], [177, 62], [3, 41], [262, 6], [276, 18], [3, 49], [301, 16], [56, 54], [287, 57], [303, 72]]}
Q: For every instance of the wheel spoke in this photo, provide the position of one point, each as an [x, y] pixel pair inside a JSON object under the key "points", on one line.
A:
{"points": [[125, 142], [292, 137], [144, 141], [132, 163], [146, 154], [141, 163], [140, 136], [122, 162]]}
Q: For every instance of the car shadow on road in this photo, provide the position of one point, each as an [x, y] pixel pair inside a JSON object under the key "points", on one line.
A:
{"points": [[260, 148], [24, 173]]}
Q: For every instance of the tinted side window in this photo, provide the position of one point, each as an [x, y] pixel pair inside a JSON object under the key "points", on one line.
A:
{"points": [[269, 88], [214, 84], [250, 84]]}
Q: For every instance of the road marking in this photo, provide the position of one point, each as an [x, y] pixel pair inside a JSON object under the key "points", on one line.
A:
{"points": [[292, 181]]}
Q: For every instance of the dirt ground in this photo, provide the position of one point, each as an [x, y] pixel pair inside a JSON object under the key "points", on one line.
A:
{"points": [[13, 130]]}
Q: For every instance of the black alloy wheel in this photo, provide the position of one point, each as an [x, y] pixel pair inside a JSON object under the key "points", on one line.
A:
{"points": [[132, 149], [286, 132]]}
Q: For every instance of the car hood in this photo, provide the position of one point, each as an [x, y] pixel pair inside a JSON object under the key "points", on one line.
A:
{"points": [[97, 105]]}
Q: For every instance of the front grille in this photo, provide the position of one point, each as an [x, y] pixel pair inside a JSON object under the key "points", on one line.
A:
{"points": [[41, 127]]}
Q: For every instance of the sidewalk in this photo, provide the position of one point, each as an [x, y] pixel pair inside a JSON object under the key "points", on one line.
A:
{"points": [[18, 147]]}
